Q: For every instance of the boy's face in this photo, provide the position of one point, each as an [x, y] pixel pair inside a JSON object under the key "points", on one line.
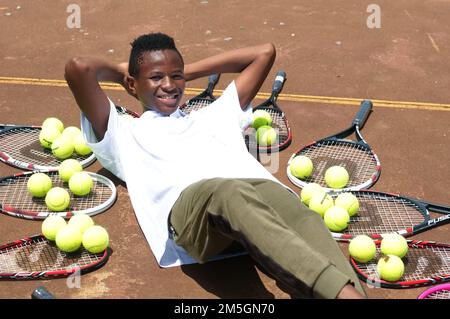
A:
{"points": [[160, 84]]}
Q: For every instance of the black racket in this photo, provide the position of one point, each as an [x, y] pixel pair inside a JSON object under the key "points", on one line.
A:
{"points": [[15, 200], [441, 291], [20, 147], [203, 99], [426, 263], [383, 213], [35, 258], [356, 157], [279, 121]]}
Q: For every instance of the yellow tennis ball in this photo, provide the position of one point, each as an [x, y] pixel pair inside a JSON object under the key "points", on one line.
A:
{"points": [[362, 248], [309, 191], [81, 146], [266, 135], [39, 184], [71, 132], [69, 238], [301, 166], [390, 268], [51, 226], [53, 122], [336, 218], [394, 244], [349, 202], [62, 147], [57, 199], [260, 118], [82, 221], [95, 239], [81, 183], [336, 177], [320, 203], [47, 135], [68, 167]]}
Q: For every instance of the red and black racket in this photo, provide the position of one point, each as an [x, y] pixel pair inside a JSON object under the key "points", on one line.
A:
{"points": [[383, 213], [35, 258], [426, 263], [20, 147], [15, 200], [357, 157], [279, 121], [441, 291], [203, 99]]}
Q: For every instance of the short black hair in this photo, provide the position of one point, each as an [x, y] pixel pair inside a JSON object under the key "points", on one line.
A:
{"points": [[147, 43]]}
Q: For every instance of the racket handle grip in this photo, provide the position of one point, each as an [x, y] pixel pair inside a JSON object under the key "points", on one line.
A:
{"points": [[212, 79], [363, 113], [42, 293], [278, 83]]}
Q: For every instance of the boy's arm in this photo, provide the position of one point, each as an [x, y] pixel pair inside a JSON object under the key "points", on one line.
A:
{"points": [[83, 76], [253, 64]]}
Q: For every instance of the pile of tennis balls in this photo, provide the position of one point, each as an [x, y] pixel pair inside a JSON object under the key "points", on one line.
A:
{"points": [[335, 212], [58, 198], [266, 135], [79, 231], [335, 177], [63, 142], [393, 247]]}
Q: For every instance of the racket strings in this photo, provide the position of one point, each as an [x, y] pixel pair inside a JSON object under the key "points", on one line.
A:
{"points": [[359, 161], [420, 264], [383, 214], [40, 255], [440, 294], [279, 123], [14, 193], [196, 104]]}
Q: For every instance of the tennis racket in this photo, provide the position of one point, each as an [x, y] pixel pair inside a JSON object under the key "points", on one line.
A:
{"points": [[426, 263], [383, 213], [35, 258], [20, 147], [203, 99], [356, 157], [15, 200], [279, 121], [441, 291]]}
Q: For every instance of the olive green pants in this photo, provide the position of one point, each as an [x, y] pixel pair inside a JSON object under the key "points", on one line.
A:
{"points": [[286, 238]]}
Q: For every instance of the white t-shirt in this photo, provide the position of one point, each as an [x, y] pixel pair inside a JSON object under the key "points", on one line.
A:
{"points": [[159, 156]]}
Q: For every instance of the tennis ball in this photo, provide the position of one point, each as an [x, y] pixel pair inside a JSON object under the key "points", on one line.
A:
{"points": [[95, 239], [336, 177], [57, 199], [362, 248], [81, 183], [51, 226], [394, 244], [47, 135], [266, 135], [80, 145], [390, 268], [261, 118], [309, 191], [71, 132], [336, 218], [301, 166], [82, 221], [349, 202], [62, 147], [39, 184], [69, 238], [53, 122], [320, 203], [68, 167]]}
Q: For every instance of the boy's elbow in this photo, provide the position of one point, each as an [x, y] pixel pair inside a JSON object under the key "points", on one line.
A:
{"points": [[269, 50], [75, 68]]}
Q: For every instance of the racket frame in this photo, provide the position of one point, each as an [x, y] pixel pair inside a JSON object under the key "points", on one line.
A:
{"points": [[357, 123], [433, 290], [206, 96]]}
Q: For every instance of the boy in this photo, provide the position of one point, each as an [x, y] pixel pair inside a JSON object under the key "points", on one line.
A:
{"points": [[224, 195]]}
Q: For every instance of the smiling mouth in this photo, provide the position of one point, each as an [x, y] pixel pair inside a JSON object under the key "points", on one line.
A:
{"points": [[169, 100]]}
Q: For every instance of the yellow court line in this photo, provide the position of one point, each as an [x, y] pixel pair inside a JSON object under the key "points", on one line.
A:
{"points": [[261, 95]]}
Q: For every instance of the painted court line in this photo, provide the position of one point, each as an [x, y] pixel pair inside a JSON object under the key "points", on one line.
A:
{"points": [[261, 95]]}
